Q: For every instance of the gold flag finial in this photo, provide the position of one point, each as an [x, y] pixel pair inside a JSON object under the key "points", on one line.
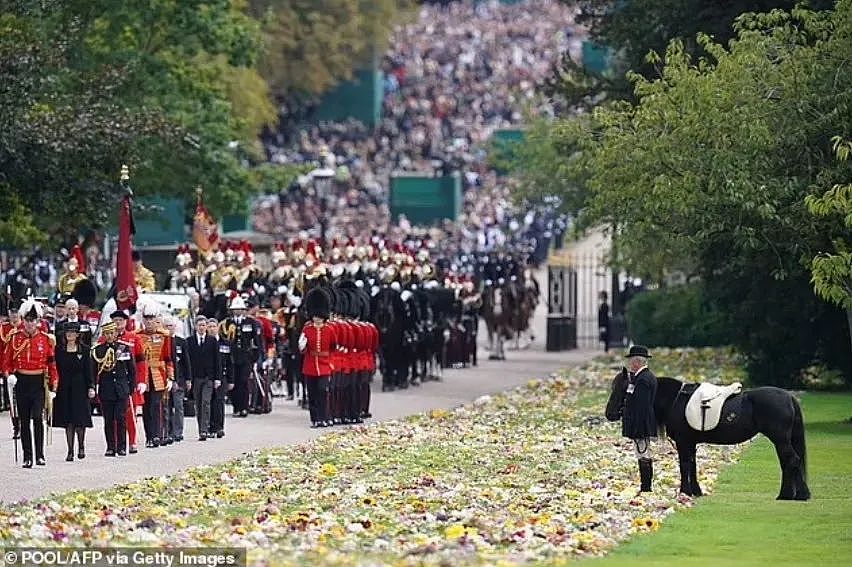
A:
{"points": [[198, 190], [125, 173]]}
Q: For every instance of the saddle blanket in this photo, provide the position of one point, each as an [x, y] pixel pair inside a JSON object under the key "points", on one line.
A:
{"points": [[704, 407]]}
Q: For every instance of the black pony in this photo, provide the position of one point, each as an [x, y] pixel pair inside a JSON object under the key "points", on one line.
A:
{"points": [[768, 410]]}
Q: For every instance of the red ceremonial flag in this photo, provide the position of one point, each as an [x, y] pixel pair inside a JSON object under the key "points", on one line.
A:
{"points": [[205, 229], [125, 284]]}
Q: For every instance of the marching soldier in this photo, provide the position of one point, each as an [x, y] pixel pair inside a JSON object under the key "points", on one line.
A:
{"points": [[115, 368], [7, 328], [243, 334], [137, 350], [158, 355], [29, 365], [317, 342]]}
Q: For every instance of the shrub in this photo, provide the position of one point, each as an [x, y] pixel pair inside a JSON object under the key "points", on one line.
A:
{"points": [[676, 317]]}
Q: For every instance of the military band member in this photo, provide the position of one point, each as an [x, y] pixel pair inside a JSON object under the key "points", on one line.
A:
{"points": [[158, 355], [317, 342], [115, 368], [244, 336], [144, 277], [29, 364]]}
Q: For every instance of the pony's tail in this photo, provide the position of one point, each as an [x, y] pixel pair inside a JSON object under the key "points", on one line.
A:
{"points": [[798, 437]]}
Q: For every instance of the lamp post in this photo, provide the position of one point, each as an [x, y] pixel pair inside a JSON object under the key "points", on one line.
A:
{"points": [[322, 178]]}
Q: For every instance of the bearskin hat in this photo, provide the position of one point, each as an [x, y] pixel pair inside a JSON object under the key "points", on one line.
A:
{"points": [[85, 292], [317, 303]]}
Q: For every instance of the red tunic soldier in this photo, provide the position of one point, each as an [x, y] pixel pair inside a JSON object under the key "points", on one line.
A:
{"points": [[28, 361], [317, 342]]}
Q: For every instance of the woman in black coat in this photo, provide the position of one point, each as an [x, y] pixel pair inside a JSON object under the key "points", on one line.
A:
{"points": [[71, 408]]}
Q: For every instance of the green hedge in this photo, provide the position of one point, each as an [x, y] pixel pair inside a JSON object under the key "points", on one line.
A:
{"points": [[676, 316]]}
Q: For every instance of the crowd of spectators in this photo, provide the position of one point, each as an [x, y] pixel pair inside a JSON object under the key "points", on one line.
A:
{"points": [[452, 77]]}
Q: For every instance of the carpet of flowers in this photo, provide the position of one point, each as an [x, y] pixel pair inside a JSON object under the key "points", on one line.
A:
{"points": [[530, 474]]}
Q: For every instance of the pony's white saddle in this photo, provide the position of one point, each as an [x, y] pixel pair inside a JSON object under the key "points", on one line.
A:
{"points": [[704, 407]]}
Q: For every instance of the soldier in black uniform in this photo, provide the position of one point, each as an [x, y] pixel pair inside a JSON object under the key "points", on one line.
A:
{"points": [[294, 321], [115, 369], [638, 421], [245, 337]]}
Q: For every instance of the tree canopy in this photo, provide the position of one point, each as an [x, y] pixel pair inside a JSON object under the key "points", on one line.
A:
{"points": [[709, 170], [177, 89]]}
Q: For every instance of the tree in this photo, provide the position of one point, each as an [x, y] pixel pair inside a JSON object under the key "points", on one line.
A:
{"points": [[710, 167], [312, 45], [832, 271], [633, 28], [91, 84]]}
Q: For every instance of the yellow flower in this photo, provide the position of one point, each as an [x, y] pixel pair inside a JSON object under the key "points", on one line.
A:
{"points": [[368, 501], [456, 531], [646, 524], [328, 469], [438, 413]]}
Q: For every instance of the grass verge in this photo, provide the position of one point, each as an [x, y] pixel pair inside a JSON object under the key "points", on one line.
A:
{"points": [[742, 523]]}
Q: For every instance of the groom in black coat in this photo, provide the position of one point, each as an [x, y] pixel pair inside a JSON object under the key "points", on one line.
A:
{"points": [[638, 422]]}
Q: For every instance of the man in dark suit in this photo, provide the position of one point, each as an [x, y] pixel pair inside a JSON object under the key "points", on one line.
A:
{"points": [[639, 422], [183, 375], [226, 381], [204, 354]]}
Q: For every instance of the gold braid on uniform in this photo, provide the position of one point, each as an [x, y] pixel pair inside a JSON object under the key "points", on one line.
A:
{"points": [[229, 331], [105, 363]]}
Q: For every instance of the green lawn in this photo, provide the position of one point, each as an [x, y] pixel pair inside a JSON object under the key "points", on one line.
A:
{"points": [[743, 524]]}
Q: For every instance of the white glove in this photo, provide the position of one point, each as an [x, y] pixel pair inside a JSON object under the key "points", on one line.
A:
{"points": [[11, 380], [303, 342], [217, 383], [170, 384], [267, 364], [52, 396], [142, 387]]}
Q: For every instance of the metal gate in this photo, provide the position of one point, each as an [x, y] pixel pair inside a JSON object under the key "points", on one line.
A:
{"points": [[575, 286]]}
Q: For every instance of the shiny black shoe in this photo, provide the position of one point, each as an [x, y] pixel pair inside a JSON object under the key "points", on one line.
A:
{"points": [[28, 464], [41, 462], [121, 453], [179, 438], [244, 413], [70, 457], [155, 442], [109, 453], [220, 434], [202, 437], [133, 450], [81, 454], [168, 441]]}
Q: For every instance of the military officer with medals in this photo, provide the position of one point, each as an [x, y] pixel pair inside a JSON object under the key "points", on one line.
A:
{"points": [[115, 368], [244, 335]]}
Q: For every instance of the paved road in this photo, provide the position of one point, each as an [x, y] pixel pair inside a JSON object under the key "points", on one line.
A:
{"points": [[286, 424]]}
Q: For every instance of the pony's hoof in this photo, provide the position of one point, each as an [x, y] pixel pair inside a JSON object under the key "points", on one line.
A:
{"points": [[803, 496], [784, 497]]}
